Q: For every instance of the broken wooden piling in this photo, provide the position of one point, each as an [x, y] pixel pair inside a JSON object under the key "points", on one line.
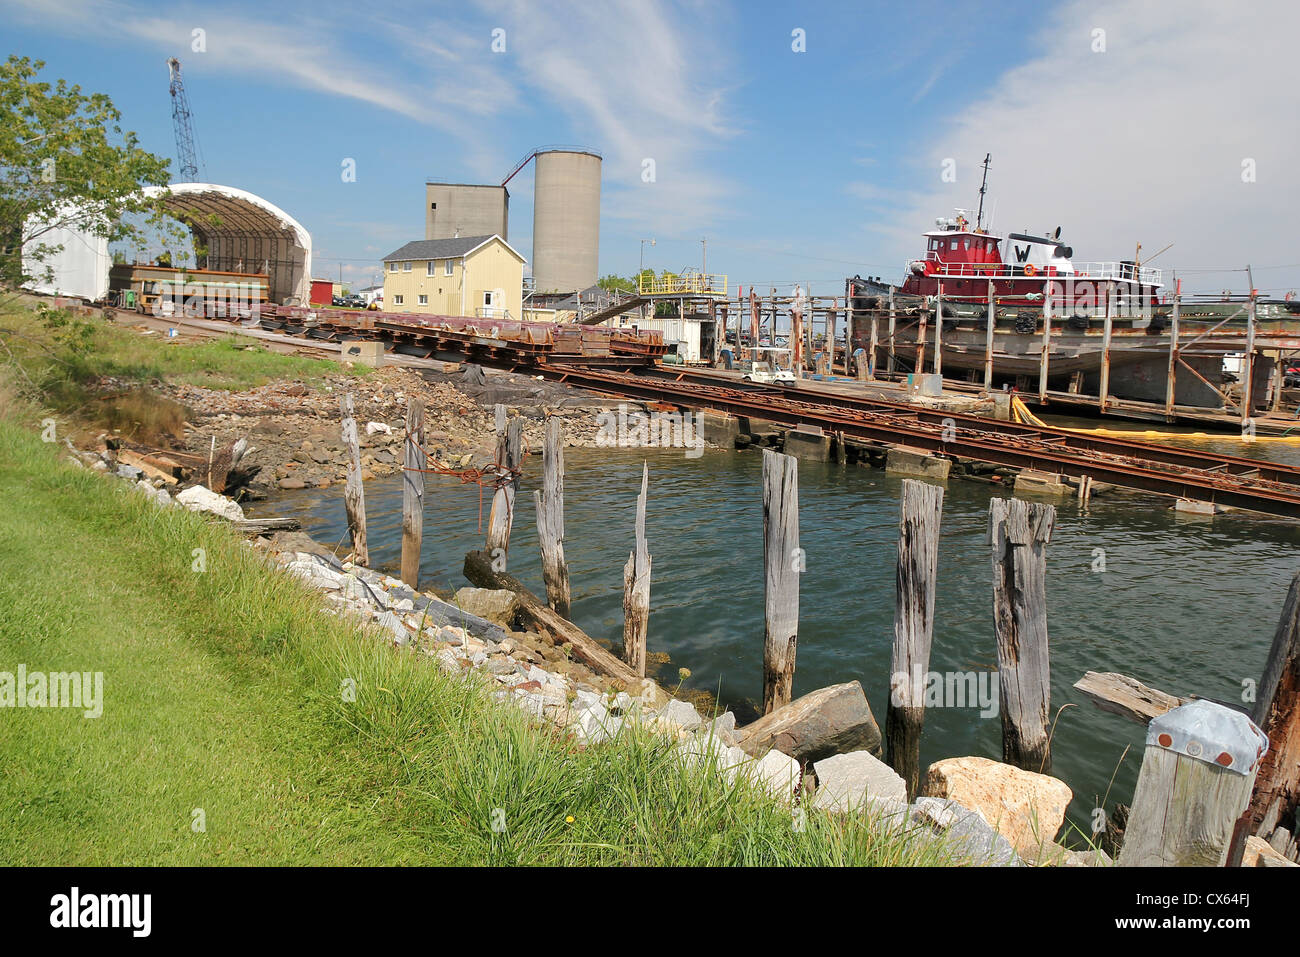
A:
{"points": [[636, 587], [550, 520], [1018, 533], [1277, 713], [354, 496], [413, 465], [918, 559], [510, 443], [783, 561]]}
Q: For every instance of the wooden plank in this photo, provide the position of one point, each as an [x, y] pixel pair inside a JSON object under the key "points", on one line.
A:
{"points": [[636, 587], [413, 463], [510, 443], [549, 500], [1126, 697], [1018, 534], [354, 496], [149, 467], [782, 561], [914, 582]]}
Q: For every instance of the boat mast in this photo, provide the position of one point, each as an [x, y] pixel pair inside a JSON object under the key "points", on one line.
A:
{"points": [[979, 217]]}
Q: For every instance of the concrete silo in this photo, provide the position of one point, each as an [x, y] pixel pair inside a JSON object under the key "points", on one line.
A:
{"points": [[566, 219], [465, 209]]}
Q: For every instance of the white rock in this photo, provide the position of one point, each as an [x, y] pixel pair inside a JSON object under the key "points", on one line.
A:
{"points": [[845, 781], [374, 427], [197, 498], [778, 774], [394, 627], [682, 714]]}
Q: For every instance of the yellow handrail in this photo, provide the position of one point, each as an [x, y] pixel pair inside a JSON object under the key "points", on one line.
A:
{"points": [[688, 284]]}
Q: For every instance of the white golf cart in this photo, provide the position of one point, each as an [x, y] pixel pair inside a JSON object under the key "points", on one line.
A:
{"points": [[767, 370]]}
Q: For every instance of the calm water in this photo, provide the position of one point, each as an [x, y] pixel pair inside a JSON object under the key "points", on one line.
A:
{"points": [[1187, 605]]}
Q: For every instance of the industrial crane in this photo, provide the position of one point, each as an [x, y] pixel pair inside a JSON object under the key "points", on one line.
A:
{"points": [[185, 149]]}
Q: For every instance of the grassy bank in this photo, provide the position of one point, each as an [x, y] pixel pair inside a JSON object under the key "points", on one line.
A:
{"points": [[223, 694]]}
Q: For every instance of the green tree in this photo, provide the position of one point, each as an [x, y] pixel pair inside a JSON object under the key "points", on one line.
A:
{"points": [[611, 282], [65, 161]]}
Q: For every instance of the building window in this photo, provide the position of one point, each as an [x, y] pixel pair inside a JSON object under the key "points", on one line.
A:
{"points": [[392, 267], [397, 299], [432, 266], [406, 267], [447, 268], [424, 300]]}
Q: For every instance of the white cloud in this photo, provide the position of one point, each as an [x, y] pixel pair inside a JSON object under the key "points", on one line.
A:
{"points": [[1144, 142]]}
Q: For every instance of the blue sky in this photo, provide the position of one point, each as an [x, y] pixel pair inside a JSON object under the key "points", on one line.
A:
{"points": [[797, 166]]}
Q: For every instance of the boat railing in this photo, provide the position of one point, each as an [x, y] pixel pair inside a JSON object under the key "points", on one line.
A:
{"points": [[1079, 271]]}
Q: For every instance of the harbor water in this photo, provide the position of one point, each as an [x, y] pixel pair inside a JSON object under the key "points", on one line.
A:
{"points": [[1186, 604]]}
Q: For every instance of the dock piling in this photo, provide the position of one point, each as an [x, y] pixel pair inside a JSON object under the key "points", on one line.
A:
{"points": [[1018, 533], [354, 496], [510, 442], [783, 562], [550, 520], [413, 465], [918, 558], [636, 587]]}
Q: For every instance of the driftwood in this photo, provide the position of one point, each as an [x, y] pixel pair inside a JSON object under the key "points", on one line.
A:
{"points": [[1277, 713], [550, 520], [354, 496], [782, 561], [828, 721], [438, 612], [636, 587], [559, 631], [149, 465], [413, 463], [510, 444], [263, 525], [1018, 533], [918, 559], [1126, 697]]}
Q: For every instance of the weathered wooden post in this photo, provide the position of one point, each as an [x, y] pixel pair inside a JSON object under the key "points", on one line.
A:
{"points": [[1171, 383], [783, 561], [988, 339], [893, 325], [1197, 772], [413, 465], [1045, 356], [354, 496], [1103, 389], [938, 333], [919, 365], [1018, 533], [636, 588], [1277, 712], [550, 520], [510, 444], [914, 582]]}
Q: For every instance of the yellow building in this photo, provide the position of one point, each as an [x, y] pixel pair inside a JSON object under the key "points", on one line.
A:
{"points": [[466, 276]]}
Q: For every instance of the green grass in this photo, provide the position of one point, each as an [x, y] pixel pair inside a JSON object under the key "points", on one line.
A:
{"points": [[232, 363], [222, 692]]}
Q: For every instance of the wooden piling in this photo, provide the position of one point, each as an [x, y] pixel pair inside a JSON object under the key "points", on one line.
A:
{"points": [[1044, 356], [1277, 713], [938, 332], [1198, 769], [919, 365], [413, 464], [549, 500], [893, 322], [1171, 385], [354, 496], [510, 444], [783, 561], [988, 340], [1103, 392], [636, 588], [914, 583], [1018, 533]]}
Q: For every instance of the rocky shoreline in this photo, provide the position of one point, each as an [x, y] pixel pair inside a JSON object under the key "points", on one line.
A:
{"points": [[819, 752]]}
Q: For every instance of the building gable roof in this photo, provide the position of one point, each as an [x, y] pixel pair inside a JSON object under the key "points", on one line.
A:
{"points": [[445, 248]]}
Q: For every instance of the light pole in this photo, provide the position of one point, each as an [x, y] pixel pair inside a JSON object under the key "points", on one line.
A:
{"points": [[640, 271]]}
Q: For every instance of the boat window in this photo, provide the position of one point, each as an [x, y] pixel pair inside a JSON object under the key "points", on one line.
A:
{"points": [[965, 244], [954, 244]]}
